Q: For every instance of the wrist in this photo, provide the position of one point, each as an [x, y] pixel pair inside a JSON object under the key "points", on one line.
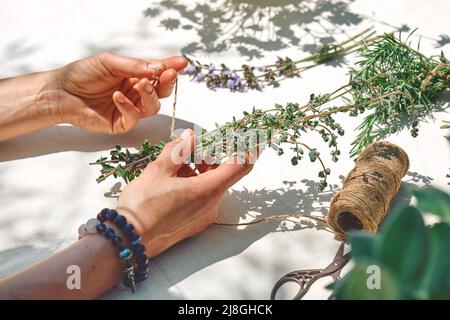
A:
{"points": [[49, 98], [143, 229], [29, 103]]}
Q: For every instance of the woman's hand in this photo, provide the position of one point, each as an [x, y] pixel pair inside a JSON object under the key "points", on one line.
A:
{"points": [[110, 93], [103, 93], [168, 202]]}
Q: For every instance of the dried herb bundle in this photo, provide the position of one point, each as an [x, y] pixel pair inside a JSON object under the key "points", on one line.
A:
{"points": [[395, 84]]}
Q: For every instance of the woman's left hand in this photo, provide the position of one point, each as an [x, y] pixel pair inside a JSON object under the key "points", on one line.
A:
{"points": [[109, 93]]}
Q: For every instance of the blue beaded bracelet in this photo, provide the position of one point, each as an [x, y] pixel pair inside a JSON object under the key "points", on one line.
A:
{"points": [[139, 250], [132, 275], [125, 254]]}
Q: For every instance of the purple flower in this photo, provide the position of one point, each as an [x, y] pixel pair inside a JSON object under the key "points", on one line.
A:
{"points": [[190, 69], [199, 77], [231, 84]]}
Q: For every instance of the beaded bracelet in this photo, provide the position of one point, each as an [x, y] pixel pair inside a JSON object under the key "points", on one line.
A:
{"points": [[132, 275]]}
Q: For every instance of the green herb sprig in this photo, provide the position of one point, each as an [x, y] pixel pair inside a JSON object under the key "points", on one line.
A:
{"points": [[408, 83], [395, 85]]}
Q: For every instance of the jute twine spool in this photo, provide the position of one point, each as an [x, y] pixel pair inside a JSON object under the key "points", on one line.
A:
{"points": [[368, 189]]}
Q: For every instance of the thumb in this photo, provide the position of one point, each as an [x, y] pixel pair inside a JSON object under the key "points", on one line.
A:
{"points": [[227, 174], [175, 153], [131, 67]]}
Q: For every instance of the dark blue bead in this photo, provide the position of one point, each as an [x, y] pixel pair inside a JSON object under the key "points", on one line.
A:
{"points": [[120, 220], [100, 227], [142, 267], [142, 260], [140, 272], [102, 215], [117, 241], [135, 240], [131, 235], [110, 233], [111, 215], [128, 228], [139, 250], [141, 277]]}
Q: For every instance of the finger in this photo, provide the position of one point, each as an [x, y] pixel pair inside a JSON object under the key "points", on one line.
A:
{"points": [[127, 84], [131, 67], [176, 62], [175, 154], [166, 83], [128, 114], [225, 175], [149, 102]]}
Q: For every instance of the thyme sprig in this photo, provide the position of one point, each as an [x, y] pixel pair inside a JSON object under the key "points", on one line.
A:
{"points": [[395, 84], [256, 78]]}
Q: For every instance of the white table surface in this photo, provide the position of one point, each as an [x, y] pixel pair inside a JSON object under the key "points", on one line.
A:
{"points": [[47, 188]]}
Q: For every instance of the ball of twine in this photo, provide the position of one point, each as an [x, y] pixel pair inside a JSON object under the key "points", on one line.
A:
{"points": [[368, 189]]}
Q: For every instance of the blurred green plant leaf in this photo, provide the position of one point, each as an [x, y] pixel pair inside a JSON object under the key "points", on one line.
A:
{"points": [[434, 201], [355, 286], [436, 280], [404, 245], [364, 246]]}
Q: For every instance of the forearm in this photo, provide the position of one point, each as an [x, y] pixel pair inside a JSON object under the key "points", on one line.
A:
{"points": [[94, 255], [28, 103]]}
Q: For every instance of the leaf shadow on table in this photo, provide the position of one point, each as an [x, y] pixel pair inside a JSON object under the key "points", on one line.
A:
{"points": [[218, 243], [254, 27], [68, 138]]}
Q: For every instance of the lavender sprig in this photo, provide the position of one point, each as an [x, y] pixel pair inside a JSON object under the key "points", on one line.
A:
{"points": [[256, 78]]}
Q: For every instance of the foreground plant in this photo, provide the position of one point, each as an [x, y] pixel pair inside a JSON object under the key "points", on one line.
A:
{"points": [[407, 259], [393, 84]]}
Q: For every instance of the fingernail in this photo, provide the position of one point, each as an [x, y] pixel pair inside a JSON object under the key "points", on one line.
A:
{"points": [[120, 98], [186, 134], [156, 68]]}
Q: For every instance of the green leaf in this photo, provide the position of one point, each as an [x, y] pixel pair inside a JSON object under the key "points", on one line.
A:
{"points": [[436, 278], [364, 247], [434, 201], [312, 155], [356, 285], [404, 245], [294, 161]]}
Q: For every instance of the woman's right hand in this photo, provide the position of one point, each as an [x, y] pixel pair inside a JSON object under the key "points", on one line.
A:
{"points": [[168, 202]]}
